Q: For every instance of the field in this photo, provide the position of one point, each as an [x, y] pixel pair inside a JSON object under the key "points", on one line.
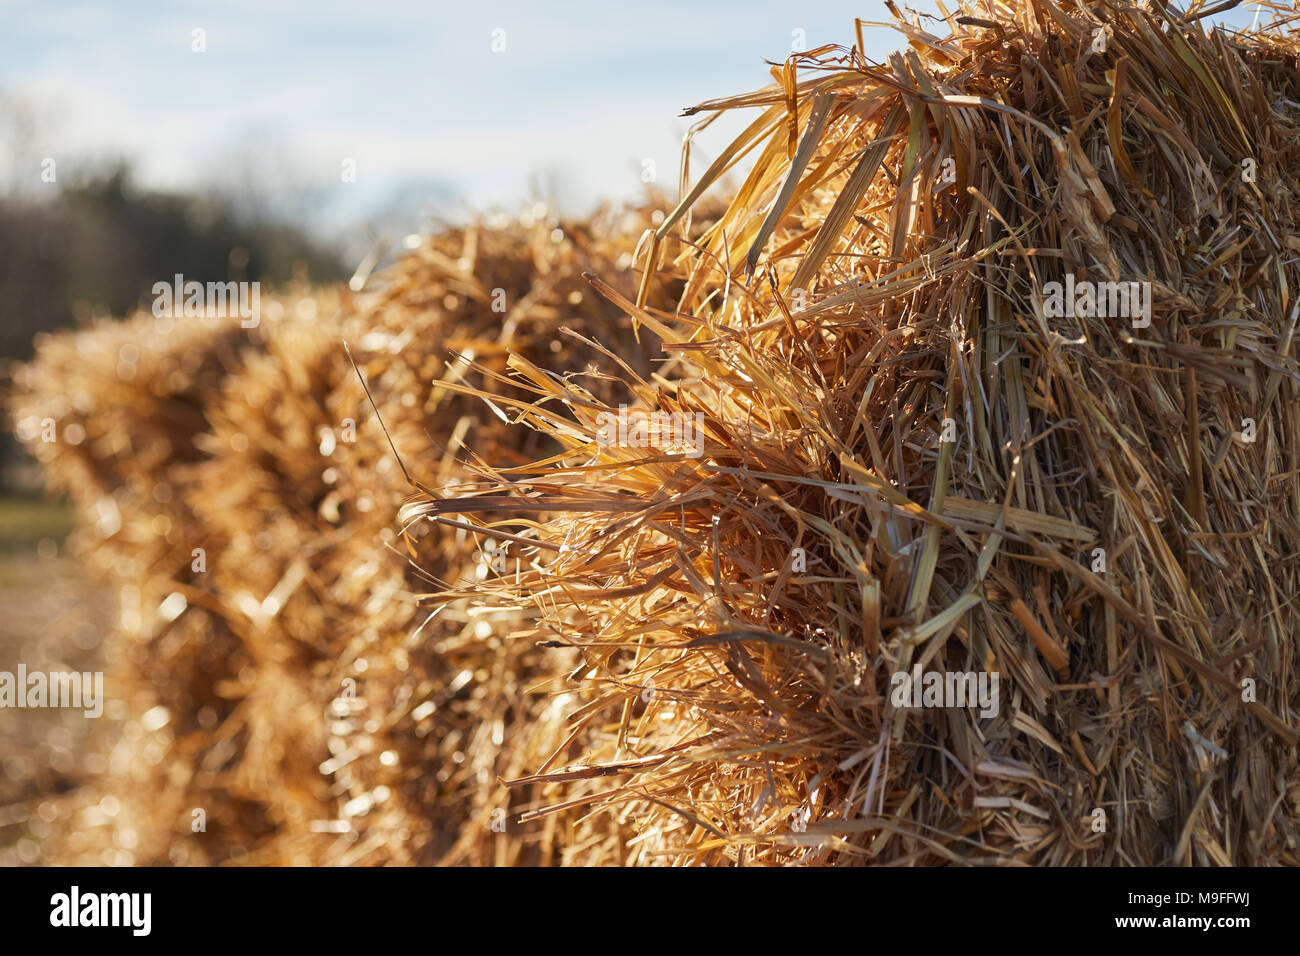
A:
{"points": [[53, 617]]}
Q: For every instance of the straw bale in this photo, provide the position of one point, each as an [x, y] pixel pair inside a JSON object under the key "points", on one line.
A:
{"points": [[883, 390], [305, 696]]}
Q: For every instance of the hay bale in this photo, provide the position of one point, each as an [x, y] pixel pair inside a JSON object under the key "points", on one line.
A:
{"points": [[893, 395], [291, 687], [131, 436]]}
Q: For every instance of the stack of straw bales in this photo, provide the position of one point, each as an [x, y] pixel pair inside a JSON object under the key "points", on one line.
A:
{"points": [[276, 670], [909, 459]]}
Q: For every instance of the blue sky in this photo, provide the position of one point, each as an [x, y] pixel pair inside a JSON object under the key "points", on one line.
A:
{"points": [[435, 121]]}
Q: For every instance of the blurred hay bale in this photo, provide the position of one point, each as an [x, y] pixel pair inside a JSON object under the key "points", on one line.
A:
{"points": [[278, 671], [910, 461], [130, 452]]}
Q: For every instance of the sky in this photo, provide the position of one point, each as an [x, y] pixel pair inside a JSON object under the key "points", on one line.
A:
{"points": [[573, 105]]}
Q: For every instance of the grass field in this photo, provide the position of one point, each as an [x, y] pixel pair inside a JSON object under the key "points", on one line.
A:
{"points": [[25, 521]]}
